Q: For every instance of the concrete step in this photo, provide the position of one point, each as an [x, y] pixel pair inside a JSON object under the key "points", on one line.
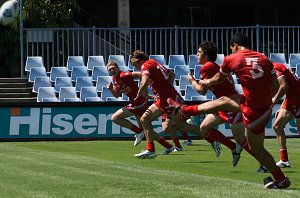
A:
{"points": [[17, 100], [16, 90], [13, 80], [15, 95], [13, 85]]}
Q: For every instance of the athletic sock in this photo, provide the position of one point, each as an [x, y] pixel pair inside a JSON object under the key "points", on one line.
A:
{"points": [[191, 110], [150, 146], [136, 129], [215, 135], [176, 142], [186, 136], [278, 174], [164, 143], [284, 155]]}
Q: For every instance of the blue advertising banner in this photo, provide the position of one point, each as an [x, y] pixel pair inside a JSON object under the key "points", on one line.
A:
{"points": [[82, 122]]}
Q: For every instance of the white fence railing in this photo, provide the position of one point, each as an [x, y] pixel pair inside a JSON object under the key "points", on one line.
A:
{"points": [[55, 45]]}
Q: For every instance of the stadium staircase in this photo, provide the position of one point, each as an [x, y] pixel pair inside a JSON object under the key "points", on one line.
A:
{"points": [[16, 90]]}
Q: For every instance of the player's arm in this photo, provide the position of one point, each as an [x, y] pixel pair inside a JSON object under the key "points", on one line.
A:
{"points": [[136, 75], [143, 90], [280, 87], [216, 79], [200, 88], [114, 90]]}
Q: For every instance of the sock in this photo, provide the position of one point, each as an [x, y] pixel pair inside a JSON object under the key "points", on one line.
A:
{"points": [[150, 146], [284, 155], [191, 110], [186, 136], [246, 146], [136, 129], [278, 174], [215, 135], [176, 142], [164, 143]]}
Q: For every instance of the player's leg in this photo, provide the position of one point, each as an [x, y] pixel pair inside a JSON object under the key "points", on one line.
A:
{"points": [[169, 127], [226, 103], [119, 118], [212, 135], [298, 124], [256, 146], [282, 118], [138, 136]]}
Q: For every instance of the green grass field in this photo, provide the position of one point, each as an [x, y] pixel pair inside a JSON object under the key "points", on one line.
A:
{"points": [[108, 169]]}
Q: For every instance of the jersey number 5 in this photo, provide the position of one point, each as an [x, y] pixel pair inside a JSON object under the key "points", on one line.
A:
{"points": [[256, 71]]}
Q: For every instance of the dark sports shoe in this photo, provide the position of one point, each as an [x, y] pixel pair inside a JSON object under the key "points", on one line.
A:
{"points": [[279, 184], [176, 108], [236, 154], [262, 169]]}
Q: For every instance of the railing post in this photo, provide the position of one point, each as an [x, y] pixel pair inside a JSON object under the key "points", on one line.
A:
{"points": [[21, 39], [94, 41], [176, 39], [257, 37]]}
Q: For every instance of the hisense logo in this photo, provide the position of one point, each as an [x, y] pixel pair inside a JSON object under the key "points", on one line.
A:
{"points": [[42, 122]]}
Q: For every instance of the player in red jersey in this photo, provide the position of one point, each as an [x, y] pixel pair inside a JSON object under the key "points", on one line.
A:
{"points": [[158, 76], [123, 82], [290, 108], [258, 80], [207, 54]]}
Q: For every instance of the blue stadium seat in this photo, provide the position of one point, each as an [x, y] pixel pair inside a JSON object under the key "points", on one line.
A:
{"points": [[176, 60], [298, 70], [88, 92], [193, 61], [180, 70], [37, 72], [189, 92], [83, 82], [199, 98], [67, 93], [130, 66], [234, 77], [114, 99], [62, 82], [102, 81], [45, 93], [74, 61], [99, 71], [278, 58], [294, 59], [197, 71], [58, 72], [40, 82], [79, 71], [220, 59], [183, 82], [105, 93], [124, 68], [93, 99], [159, 58], [210, 95], [95, 61], [33, 61], [238, 88], [119, 59]]}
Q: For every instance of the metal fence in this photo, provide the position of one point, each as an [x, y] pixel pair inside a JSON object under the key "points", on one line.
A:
{"points": [[55, 45]]}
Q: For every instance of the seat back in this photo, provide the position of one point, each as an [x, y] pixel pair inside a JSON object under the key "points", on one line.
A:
{"points": [[93, 61], [74, 61], [159, 58], [43, 81], [62, 82], [102, 81], [58, 72], [83, 82], [37, 72], [33, 61], [46, 93], [176, 60], [87, 92], [119, 59], [79, 71], [278, 58], [67, 92]]}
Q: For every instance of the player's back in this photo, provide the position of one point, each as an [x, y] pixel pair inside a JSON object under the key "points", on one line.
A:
{"points": [[159, 78], [255, 72]]}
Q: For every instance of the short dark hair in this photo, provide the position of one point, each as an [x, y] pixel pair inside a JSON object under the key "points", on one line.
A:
{"points": [[210, 49], [240, 39], [139, 55]]}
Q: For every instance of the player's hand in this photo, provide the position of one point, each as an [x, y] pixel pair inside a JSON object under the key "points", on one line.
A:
{"points": [[191, 77], [110, 86]]}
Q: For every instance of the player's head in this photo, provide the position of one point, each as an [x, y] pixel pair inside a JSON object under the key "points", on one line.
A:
{"points": [[138, 58], [207, 52], [112, 68], [239, 40]]}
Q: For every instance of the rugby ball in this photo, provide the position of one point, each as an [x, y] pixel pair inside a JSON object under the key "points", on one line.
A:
{"points": [[9, 12]]}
